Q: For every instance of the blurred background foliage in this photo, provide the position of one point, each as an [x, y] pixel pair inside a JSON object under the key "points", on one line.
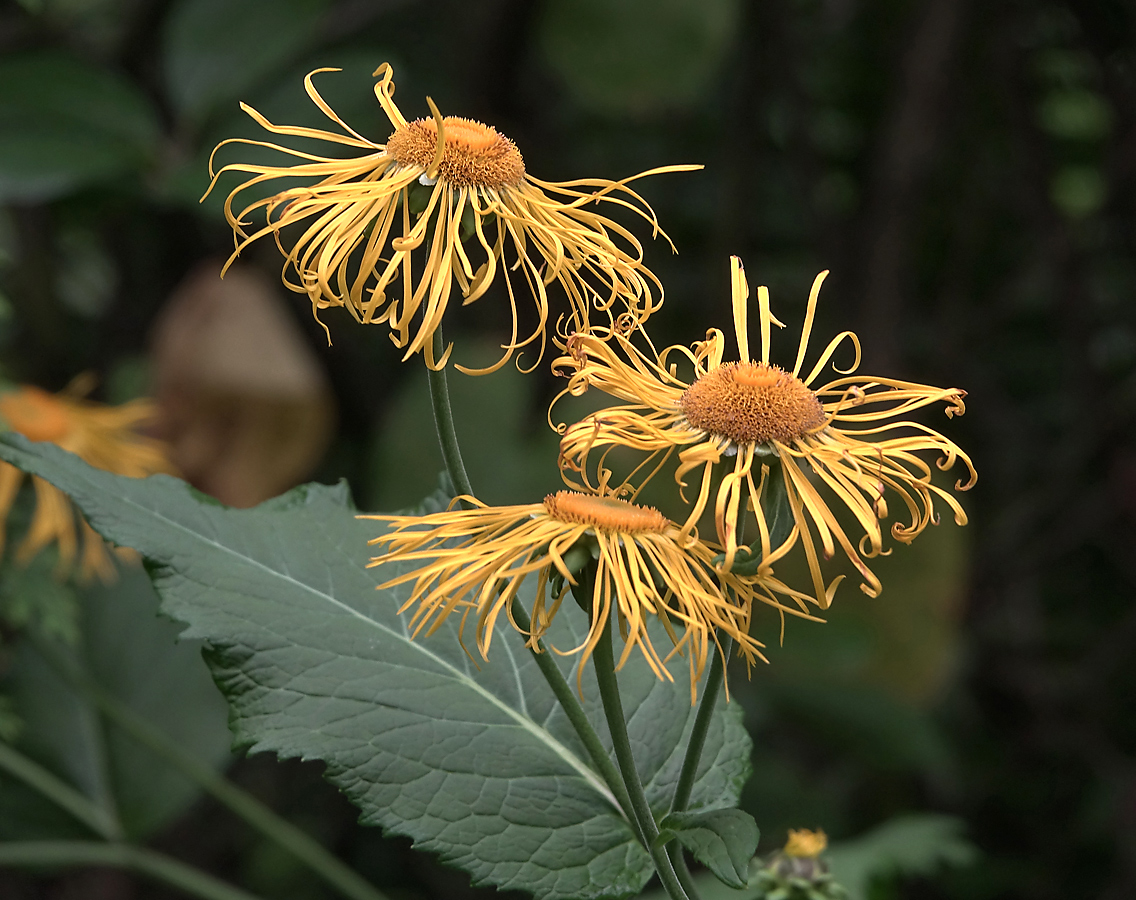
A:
{"points": [[966, 170]]}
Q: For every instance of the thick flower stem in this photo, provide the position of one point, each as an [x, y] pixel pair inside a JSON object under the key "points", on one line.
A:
{"points": [[604, 662], [689, 771], [444, 421], [702, 721], [579, 719], [674, 851]]}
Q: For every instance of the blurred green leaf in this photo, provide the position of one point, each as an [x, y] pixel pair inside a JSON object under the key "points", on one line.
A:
{"points": [[637, 56], [215, 50], [475, 762], [31, 596], [1075, 114], [85, 274], [836, 132], [10, 722], [723, 840], [65, 124], [1078, 191], [905, 641], [866, 722], [132, 654], [1064, 66], [911, 845]]}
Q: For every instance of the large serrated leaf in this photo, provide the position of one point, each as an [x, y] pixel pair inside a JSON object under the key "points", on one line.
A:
{"points": [[476, 764]]}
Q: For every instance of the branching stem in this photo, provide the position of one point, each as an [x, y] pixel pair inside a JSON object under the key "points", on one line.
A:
{"points": [[702, 720], [579, 719], [604, 662]]}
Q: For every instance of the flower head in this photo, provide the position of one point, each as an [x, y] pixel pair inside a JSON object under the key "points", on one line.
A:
{"points": [[437, 204], [103, 436], [474, 560], [796, 872], [748, 417], [803, 843]]}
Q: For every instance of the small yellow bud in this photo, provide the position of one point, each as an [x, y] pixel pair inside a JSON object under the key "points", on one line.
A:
{"points": [[805, 843]]}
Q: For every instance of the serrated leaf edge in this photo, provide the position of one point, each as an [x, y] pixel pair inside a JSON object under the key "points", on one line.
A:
{"points": [[588, 774]]}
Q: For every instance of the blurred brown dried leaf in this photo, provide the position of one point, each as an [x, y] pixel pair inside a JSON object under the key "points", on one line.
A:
{"points": [[246, 407]]}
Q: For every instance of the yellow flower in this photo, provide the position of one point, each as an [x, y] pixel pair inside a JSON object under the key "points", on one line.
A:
{"points": [[103, 436], [805, 843], [474, 560], [369, 220], [850, 431]]}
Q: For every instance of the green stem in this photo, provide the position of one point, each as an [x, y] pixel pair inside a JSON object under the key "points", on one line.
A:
{"points": [[702, 720], [579, 720], [34, 854], [59, 792], [678, 860], [689, 772], [782, 519], [444, 421], [779, 517], [604, 663], [304, 848]]}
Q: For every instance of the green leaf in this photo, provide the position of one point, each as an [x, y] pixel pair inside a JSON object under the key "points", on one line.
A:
{"points": [[723, 840], [65, 124], [865, 722], [10, 722], [215, 50], [1078, 191], [474, 762], [1075, 114], [637, 56], [129, 652], [916, 844], [33, 597]]}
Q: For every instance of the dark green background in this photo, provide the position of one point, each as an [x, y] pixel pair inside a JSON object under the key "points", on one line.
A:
{"points": [[965, 169]]}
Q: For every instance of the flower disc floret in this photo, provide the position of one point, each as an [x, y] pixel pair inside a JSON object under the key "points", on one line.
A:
{"points": [[608, 514], [752, 403], [475, 155], [740, 424], [474, 561], [390, 231]]}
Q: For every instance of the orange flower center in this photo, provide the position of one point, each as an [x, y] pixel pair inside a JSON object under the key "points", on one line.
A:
{"points": [[605, 513], [475, 155], [35, 414], [752, 403]]}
